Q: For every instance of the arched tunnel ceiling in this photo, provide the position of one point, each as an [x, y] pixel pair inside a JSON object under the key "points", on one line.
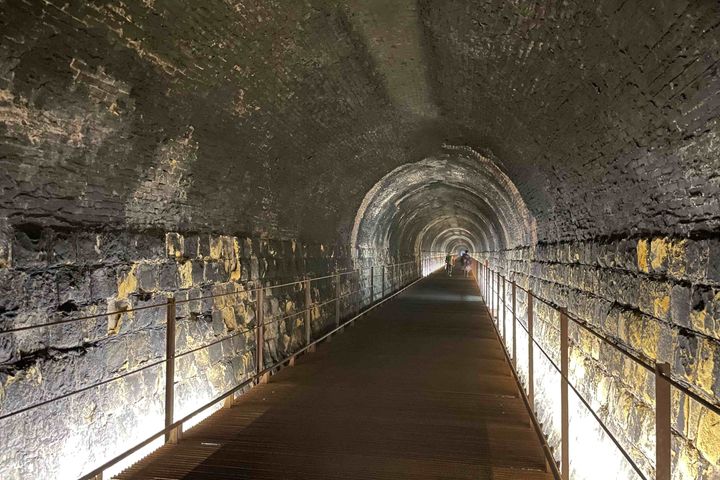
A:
{"points": [[278, 118], [459, 192]]}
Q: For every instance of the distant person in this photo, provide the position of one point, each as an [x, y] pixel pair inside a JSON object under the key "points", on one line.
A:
{"points": [[448, 264], [466, 262]]}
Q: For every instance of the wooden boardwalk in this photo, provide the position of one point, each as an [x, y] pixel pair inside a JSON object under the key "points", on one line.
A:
{"points": [[419, 389]]}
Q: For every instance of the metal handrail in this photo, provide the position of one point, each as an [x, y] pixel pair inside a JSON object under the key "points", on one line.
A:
{"points": [[587, 405], [614, 343], [536, 425], [661, 371]]}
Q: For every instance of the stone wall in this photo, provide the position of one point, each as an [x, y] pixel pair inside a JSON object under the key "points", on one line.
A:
{"points": [[659, 297], [50, 275]]}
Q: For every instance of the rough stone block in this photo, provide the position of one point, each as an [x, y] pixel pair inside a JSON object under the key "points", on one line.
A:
{"points": [[168, 277], [5, 244], [213, 272], [127, 282], [198, 274], [147, 276], [63, 248], [680, 305], [12, 291], [204, 246], [174, 245], [115, 355], [102, 283], [659, 254], [713, 266], [705, 310], [8, 351], [31, 246], [73, 287], [686, 354], [697, 256], [643, 255], [191, 246]]}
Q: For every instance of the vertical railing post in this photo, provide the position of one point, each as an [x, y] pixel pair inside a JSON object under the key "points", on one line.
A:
{"points": [[372, 284], [489, 287], [393, 279], [514, 321], [308, 314], [486, 278], [531, 362], [171, 436], [663, 437], [359, 294], [564, 414], [337, 299], [503, 308], [497, 299], [484, 283], [488, 282], [382, 291], [260, 335], [493, 279]]}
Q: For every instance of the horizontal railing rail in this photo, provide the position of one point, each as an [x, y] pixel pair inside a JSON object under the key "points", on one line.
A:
{"points": [[493, 286]]}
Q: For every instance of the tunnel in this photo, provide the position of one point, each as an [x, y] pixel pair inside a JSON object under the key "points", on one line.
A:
{"points": [[194, 196]]}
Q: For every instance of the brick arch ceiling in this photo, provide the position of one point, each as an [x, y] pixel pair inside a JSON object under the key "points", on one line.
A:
{"points": [[278, 118], [425, 205]]}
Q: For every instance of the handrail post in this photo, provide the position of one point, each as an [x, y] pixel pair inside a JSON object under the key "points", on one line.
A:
{"points": [[663, 437], [171, 436], [497, 299], [483, 287], [382, 291], [491, 292], [514, 326], [486, 283], [357, 294], [337, 299], [504, 312], [531, 371], [564, 417], [260, 334], [308, 315]]}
